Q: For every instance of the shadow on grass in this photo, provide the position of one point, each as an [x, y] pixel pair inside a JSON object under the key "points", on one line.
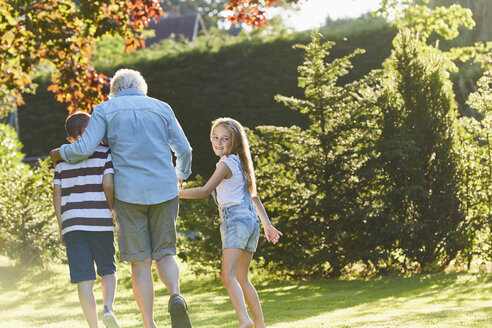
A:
{"points": [[303, 300], [210, 305]]}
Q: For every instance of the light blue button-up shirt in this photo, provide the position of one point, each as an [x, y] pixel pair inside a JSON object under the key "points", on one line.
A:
{"points": [[142, 133]]}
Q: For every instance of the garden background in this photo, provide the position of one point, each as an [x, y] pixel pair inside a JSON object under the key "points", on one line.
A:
{"points": [[372, 145]]}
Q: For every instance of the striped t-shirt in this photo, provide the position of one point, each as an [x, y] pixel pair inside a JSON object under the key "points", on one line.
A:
{"points": [[83, 202]]}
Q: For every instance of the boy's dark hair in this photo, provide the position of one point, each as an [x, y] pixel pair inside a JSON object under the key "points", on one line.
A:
{"points": [[76, 123]]}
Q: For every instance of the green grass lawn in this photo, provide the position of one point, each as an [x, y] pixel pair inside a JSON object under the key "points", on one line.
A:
{"points": [[34, 297]]}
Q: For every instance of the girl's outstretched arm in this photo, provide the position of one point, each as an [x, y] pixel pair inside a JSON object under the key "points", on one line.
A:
{"points": [[271, 234], [221, 172]]}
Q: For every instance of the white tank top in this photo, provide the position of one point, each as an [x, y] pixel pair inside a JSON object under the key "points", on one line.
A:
{"points": [[231, 191]]}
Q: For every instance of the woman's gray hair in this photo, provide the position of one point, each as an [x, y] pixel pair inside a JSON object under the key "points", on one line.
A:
{"points": [[126, 79]]}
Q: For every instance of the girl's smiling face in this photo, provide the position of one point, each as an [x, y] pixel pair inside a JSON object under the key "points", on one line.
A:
{"points": [[221, 141]]}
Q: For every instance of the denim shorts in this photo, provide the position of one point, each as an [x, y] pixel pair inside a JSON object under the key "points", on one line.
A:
{"points": [[86, 247], [239, 227]]}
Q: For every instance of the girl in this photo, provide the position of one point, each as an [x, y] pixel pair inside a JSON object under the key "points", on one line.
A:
{"points": [[239, 208]]}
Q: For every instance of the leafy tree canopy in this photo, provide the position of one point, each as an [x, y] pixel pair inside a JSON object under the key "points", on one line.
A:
{"points": [[418, 15], [63, 32], [445, 18]]}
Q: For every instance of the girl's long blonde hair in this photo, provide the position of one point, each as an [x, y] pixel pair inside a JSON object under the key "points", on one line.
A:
{"points": [[240, 147]]}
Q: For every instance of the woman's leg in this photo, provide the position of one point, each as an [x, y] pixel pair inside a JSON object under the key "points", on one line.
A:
{"points": [[249, 290], [88, 302], [230, 262]]}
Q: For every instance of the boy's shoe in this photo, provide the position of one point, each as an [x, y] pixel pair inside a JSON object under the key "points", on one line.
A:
{"points": [[109, 319], [179, 312]]}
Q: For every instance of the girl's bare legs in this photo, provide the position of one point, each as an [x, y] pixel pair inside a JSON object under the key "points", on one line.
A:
{"points": [[88, 302], [230, 262], [249, 290]]}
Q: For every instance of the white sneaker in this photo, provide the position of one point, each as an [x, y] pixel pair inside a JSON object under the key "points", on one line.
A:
{"points": [[109, 319]]}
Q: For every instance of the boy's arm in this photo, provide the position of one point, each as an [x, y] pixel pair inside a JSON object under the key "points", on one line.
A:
{"points": [[57, 205], [271, 234], [55, 156], [108, 187]]}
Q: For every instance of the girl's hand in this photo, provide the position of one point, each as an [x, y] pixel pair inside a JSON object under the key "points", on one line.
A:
{"points": [[272, 234]]}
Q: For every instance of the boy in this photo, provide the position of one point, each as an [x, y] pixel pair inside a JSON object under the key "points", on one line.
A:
{"points": [[83, 197]]}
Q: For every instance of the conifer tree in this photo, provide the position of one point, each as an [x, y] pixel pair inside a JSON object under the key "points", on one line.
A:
{"points": [[307, 176], [418, 155]]}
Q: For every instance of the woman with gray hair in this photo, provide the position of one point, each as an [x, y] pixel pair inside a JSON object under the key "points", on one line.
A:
{"points": [[142, 133]]}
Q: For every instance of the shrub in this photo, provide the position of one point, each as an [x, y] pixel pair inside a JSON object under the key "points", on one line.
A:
{"points": [[476, 149], [417, 156], [28, 228], [199, 242]]}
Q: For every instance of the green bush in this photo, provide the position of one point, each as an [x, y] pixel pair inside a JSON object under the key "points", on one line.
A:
{"points": [[199, 232], [28, 228], [307, 175], [418, 160], [476, 150], [10, 155]]}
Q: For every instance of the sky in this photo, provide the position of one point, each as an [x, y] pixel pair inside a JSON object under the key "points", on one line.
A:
{"points": [[313, 13]]}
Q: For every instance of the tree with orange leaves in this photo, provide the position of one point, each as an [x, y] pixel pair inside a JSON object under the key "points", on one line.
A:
{"points": [[63, 33], [251, 11]]}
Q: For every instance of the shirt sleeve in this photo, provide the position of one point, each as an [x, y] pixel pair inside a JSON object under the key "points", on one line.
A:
{"points": [[85, 146], [180, 147], [230, 162], [57, 179], [108, 166]]}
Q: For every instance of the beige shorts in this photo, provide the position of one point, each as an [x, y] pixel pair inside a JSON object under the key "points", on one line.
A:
{"points": [[146, 231]]}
